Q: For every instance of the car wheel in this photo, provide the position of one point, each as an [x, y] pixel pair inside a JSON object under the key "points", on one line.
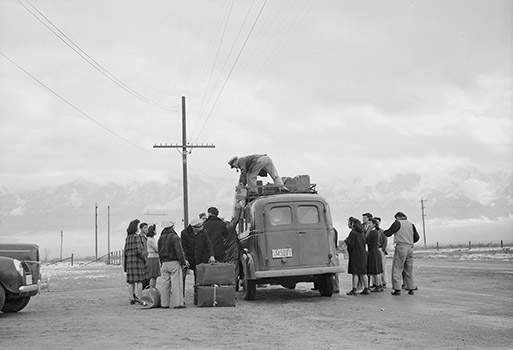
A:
{"points": [[326, 285], [15, 305], [2, 296], [249, 286]]}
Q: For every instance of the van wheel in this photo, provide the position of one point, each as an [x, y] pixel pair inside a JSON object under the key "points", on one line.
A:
{"points": [[326, 285], [15, 305], [249, 286], [2, 297]]}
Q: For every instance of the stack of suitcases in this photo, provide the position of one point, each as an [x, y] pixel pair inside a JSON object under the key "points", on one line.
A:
{"points": [[215, 285]]}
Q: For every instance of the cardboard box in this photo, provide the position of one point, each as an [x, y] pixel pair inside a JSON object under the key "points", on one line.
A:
{"points": [[215, 296], [216, 273]]}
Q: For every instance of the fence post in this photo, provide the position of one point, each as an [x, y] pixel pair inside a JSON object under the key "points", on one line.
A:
{"points": [[502, 244], [71, 259], [469, 245], [437, 247]]}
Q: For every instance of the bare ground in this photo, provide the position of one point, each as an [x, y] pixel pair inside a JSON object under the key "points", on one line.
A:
{"points": [[459, 305]]}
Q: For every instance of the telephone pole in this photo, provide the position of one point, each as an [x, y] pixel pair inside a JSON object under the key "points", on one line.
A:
{"points": [[423, 222], [108, 233], [61, 246], [96, 230], [185, 151]]}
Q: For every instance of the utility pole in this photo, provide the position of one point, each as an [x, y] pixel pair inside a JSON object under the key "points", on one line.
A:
{"points": [[61, 247], [423, 222], [96, 230], [108, 234], [185, 151]]}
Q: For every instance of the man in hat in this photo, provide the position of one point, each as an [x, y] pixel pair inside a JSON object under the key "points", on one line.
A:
{"points": [[197, 245], [405, 236], [172, 259], [253, 166]]}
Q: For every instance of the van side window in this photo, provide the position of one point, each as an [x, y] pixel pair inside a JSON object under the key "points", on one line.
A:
{"points": [[280, 216], [308, 214]]}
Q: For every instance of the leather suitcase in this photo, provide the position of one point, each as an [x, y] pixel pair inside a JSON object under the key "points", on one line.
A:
{"points": [[215, 273], [214, 296]]}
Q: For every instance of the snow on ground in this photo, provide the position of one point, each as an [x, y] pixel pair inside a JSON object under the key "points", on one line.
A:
{"points": [[475, 254], [80, 269]]}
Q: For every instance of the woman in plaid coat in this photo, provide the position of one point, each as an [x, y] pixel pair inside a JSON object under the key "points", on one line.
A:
{"points": [[135, 262]]}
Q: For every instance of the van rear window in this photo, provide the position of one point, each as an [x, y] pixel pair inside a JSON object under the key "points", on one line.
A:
{"points": [[281, 216], [308, 214]]}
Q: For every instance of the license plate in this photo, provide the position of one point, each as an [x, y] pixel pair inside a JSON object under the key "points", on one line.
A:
{"points": [[282, 253]]}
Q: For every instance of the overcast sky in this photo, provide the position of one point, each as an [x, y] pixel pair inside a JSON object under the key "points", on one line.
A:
{"points": [[335, 89]]}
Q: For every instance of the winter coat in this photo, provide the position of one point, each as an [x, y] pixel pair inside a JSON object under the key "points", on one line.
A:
{"points": [[216, 229], [196, 247], [170, 246], [135, 259], [355, 242]]}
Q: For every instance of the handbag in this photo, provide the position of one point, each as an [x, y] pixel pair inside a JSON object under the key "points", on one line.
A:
{"points": [[150, 298]]}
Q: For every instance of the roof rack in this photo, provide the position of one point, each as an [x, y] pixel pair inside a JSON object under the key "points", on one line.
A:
{"points": [[297, 184]]}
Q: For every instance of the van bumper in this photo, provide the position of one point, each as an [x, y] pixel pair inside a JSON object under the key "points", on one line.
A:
{"points": [[299, 272]]}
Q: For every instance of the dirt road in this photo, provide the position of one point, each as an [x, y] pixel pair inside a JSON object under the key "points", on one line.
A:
{"points": [[459, 305]]}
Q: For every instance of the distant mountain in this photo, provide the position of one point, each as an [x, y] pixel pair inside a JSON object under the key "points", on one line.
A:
{"points": [[471, 205]]}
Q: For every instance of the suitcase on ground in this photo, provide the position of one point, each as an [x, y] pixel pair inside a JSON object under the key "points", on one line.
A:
{"points": [[215, 273], [215, 296]]}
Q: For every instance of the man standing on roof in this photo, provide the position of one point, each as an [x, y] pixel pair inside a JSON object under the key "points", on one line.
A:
{"points": [[253, 166]]}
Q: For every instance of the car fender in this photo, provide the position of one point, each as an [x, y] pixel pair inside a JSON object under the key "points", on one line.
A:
{"points": [[10, 278]]}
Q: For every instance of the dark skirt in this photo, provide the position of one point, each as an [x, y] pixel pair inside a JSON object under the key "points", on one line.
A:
{"points": [[153, 267], [374, 266], [357, 264]]}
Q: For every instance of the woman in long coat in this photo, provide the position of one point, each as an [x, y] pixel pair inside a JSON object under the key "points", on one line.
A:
{"points": [[357, 265], [374, 265], [134, 262]]}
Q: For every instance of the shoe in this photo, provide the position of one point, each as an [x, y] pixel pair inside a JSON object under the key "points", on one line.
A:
{"points": [[132, 301], [336, 292], [365, 291], [376, 290], [352, 292], [179, 307], [410, 292], [164, 307], [396, 292], [384, 286]]}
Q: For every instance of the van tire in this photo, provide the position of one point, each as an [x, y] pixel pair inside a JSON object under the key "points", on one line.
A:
{"points": [[326, 285], [2, 296]]}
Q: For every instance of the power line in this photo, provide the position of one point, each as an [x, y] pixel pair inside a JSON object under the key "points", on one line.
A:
{"points": [[74, 107], [86, 57], [233, 67]]}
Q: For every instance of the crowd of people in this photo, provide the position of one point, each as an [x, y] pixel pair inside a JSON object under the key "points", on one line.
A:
{"points": [[367, 248], [206, 239]]}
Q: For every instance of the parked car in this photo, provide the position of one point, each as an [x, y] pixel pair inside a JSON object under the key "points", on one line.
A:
{"points": [[288, 238], [20, 277]]}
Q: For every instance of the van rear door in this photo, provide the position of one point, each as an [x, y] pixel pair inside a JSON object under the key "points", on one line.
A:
{"points": [[282, 243], [312, 233]]}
